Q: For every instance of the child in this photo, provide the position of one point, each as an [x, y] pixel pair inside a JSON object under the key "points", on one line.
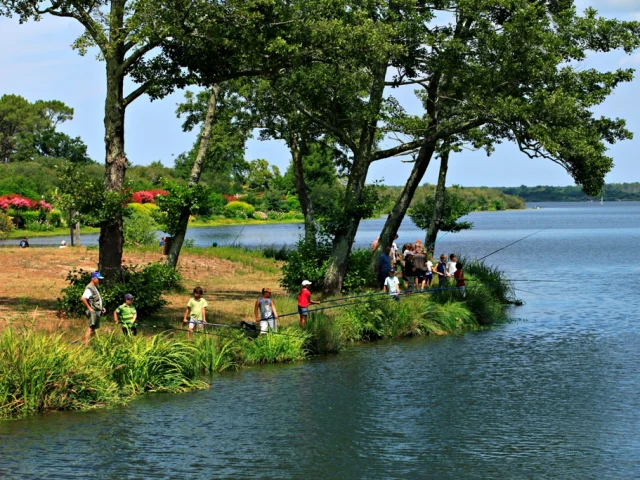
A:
{"points": [[428, 277], [196, 310], [127, 315], [265, 312], [460, 280], [409, 272], [392, 285], [304, 300], [451, 265]]}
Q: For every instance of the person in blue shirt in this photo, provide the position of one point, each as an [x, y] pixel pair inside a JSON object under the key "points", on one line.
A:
{"points": [[384, 266]]}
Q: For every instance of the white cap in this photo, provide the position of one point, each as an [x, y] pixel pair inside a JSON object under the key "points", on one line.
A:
{"points": [[305, 283]]}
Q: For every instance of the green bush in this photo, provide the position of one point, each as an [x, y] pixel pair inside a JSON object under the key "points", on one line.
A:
{"points": [[54, 217], [238, 210], [139, 229], [146, 284], [309, 262], [216, 203], [27, 217], [276, 253], [6, 225], [325, 335], [293, 204], [275, 215], [148, 209]]}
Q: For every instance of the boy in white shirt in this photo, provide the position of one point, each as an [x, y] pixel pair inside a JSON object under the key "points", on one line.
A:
{"points": [[392, 285], [451, 265]]}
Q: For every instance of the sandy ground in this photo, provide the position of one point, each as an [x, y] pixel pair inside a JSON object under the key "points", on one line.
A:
{"points": [[31, 281]]}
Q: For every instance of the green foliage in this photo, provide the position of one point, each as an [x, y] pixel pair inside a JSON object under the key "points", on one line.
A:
{"points": [[454, 208], [146, 284], [139, 229], [216, 203], [6, 225], [195, 198], [238, 210], [275, 201], [610, 192], [309, 262], [280, 254], [275, 348], [325, 335], [41, 372]]}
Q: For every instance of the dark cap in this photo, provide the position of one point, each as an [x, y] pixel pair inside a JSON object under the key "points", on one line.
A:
{"points": [[128, 296]]}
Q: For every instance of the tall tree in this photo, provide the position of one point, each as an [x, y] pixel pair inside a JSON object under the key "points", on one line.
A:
{"points": [[498, 72], [126, 34]]}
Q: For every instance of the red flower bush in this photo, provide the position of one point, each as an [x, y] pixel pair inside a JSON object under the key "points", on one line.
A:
{"points": [[230, 198], [18, 202], [146, 196]]}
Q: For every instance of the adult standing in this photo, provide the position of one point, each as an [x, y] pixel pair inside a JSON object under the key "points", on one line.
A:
{"points": [[420, 265], [409, 271], [394, 251], [441, 270], [265, 312], [93, 301], [384, 266]]}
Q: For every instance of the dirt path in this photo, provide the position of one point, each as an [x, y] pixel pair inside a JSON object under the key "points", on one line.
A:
{"points": [[31, 281]]}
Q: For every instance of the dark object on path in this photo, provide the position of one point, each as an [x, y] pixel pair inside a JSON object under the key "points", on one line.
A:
{"points": [[167, 245], [250, 328], [24, 243]]}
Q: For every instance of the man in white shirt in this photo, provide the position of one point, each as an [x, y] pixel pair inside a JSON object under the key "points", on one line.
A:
{"points": [[93, 301], [392, 285]]}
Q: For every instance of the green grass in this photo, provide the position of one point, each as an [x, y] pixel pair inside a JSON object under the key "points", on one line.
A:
{"points": [[16, 233]]}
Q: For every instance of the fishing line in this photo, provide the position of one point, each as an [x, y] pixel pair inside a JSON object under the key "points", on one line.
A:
{"points": [[237, 236], [513, 243]]}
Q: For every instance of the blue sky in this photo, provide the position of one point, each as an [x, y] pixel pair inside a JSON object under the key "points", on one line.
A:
{"points": [[36, 61]]}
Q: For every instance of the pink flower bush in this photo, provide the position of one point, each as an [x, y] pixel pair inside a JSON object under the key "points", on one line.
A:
{"points": [[17, 201], [146, 196], [45, 206]]}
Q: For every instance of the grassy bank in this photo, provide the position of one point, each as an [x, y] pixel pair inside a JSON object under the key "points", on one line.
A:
{"points": [[51, 233], [43, 367]]}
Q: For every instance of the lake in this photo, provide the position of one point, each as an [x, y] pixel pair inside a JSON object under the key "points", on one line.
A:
{"points": [[553, 394]]}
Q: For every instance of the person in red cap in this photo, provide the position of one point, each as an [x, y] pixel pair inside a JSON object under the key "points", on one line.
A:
{"points": [[304, 300]]}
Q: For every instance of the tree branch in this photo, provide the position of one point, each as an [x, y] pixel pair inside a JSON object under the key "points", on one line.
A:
{"points": [[138, 54], [136, 93], [337, 132]]}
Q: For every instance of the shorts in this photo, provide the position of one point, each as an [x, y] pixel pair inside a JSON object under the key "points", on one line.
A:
{"points": [[193, 322], [303, 310], [94, 319], [411, 280], [267, 324], [130, 330], [421, 276]]}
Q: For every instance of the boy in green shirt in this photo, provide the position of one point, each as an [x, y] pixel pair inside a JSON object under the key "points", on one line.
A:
{"points": [[127, 315], [196, 310]]}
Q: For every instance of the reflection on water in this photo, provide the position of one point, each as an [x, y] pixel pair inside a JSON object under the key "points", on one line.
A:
{"points": [[555, 395]]}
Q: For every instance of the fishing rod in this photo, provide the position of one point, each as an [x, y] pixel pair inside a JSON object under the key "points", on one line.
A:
{"points": [[513, 243], [237, 236]]}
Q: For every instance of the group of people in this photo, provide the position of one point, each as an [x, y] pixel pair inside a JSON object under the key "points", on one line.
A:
{"points": [[417, 269], [195, 315]]}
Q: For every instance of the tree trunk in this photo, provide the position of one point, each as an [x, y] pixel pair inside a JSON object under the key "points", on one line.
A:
{"points": [[344, 237], [302, 190], [403, 201], [77, 234], [111, 239], [71, 227], [194, 178], [438, 207]]}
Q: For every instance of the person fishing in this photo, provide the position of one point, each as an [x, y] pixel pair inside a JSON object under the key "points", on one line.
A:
{"points": [[93, 302], [126, 315], [265, 312], [196, 310], [304, 300]]}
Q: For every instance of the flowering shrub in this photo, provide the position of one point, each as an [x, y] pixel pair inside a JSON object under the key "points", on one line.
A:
{"points": [[44, 206], [230, 198], [17, 202], [146, 196]]}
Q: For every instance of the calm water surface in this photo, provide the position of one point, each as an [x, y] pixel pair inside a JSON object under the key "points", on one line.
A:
{"points": [[553, 395]]}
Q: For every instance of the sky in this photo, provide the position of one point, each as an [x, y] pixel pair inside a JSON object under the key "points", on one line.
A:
{"points": [[37, 62]]}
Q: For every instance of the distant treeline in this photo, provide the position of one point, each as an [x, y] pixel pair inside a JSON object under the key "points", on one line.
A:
{"points": [[612, 192], [480, 198]]}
